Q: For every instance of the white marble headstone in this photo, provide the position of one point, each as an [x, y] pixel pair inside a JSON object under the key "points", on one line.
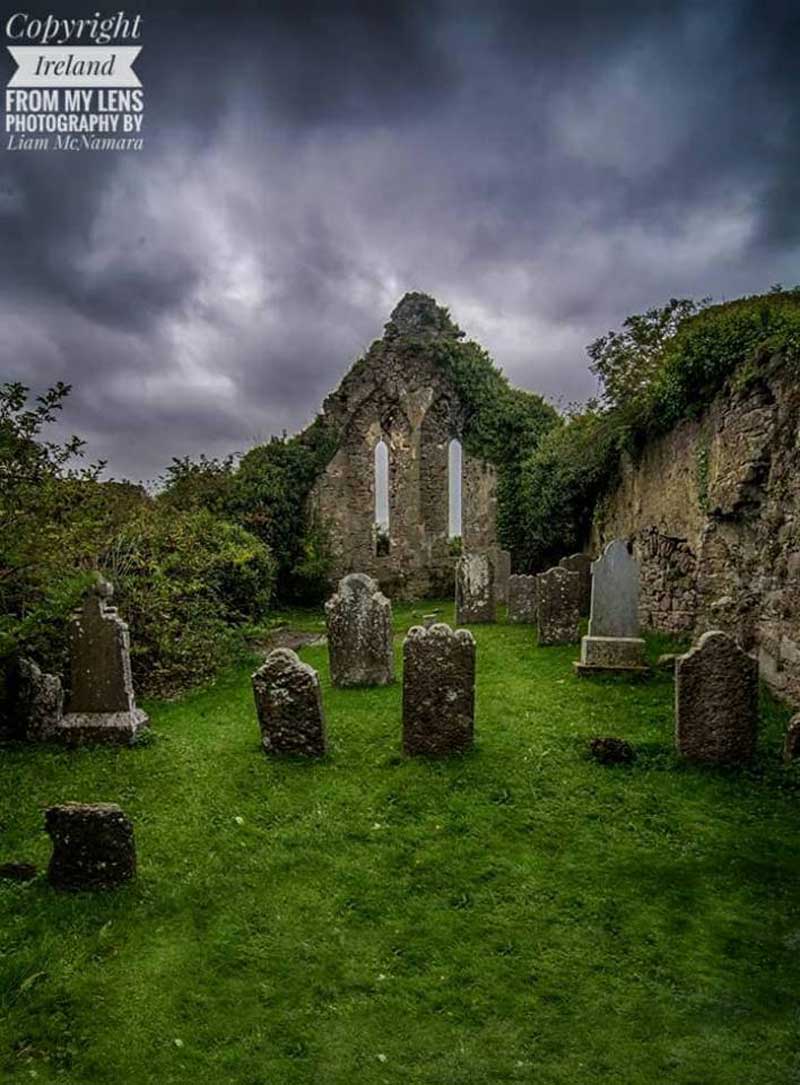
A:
{"points": [[615, 593]]}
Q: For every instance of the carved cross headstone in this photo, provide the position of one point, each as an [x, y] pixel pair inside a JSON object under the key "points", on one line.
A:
{"points": [[359, 620], [438, 690]]}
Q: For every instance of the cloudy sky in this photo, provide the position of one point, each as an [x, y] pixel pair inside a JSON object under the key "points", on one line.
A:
{"points": [[543, 169]]}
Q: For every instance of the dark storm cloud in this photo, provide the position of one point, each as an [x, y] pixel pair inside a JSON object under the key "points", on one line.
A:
{"points": [[544, 170]]}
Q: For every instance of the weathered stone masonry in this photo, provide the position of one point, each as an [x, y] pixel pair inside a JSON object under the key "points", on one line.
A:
{"points": [[713, 509], [400, 394]]}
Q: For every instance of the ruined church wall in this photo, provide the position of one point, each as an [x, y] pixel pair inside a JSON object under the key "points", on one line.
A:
{"points": [[713, 509]]}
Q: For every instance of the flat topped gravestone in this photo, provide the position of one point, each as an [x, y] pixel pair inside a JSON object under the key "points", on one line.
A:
{"points": [[613, 645], [438, 690], [522, 596], [474, 589], [289, 705], [582, 565], [93, 846], [101, 706], [716, 702], [359, 620], [558, 609], [502, 574]]}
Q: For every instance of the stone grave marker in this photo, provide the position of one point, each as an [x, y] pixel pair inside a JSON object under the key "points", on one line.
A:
{"points": [[613, 645], [93, 846], [582, 565], [289, 705], [438, 690], [557, 610], [716, 702], [522, 596], [474, 589], [502, 573], [359, 620]]}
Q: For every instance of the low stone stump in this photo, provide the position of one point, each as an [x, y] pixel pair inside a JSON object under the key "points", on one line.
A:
{"points": [[359, 621], [582, 565], [557, 612], [611, 751], [791, 744], [612, 655], [289, 706], [716, 702], [102, 707], [438, 690], [502, 574], [474, 589], [93, 846], [522, 597]]}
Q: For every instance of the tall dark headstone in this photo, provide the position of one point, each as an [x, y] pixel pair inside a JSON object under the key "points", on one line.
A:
{"points": [[557, 611], [522, 598], [438, 690], [289, 706], [582, 565]]}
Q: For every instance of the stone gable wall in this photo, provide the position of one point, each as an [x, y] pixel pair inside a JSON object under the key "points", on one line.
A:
{"points": [[713, 509]]}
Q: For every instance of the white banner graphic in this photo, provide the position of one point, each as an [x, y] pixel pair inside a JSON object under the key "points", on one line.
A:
{"points": [[74, 66]]}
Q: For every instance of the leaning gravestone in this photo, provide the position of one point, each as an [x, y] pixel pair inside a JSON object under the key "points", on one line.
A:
{"points": [[502, 573], [522, 596], [101, 707], [716, 702], [474, 589], [557, 610], [359, 620], [289, 705], [93, 846], [582, 565], [613, 645], [438, 690]]}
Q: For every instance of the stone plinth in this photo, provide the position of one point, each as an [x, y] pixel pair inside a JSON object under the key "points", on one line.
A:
{"points": [[101, 707], [522, 597], [716, 702], [359, 621], [474, 589], [557, 613], [93, 846], [613, 655], [289, 706], [438, 690]]}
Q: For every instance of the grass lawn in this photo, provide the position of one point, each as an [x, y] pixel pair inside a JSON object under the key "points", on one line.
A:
{"points": [[520, 914]]}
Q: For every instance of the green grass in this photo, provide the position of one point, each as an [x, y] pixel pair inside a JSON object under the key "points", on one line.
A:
{"points": [[520, 914]]}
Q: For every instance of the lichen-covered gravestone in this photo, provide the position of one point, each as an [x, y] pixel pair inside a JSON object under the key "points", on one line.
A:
{"points": [[289, 705], [716, 702], [613, 645], [502, 573], [557, 610], [359, 620], [522, 595], [101, 706], [93, 846], [438, 690], [38, 702], [582, 565], [474, 589]]}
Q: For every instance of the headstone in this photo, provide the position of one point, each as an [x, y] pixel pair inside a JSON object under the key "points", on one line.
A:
{"points": [[716, 702], [611, 751], [474, 589], [613, 645], [289, 705], [557, 612], [438, 690], [522, 597], [791, 745], [101, 706], [38, 702], [93, 846], [502, 573], [359, 620], [582, 565]]}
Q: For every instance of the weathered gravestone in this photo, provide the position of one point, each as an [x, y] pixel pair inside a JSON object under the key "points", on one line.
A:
{"points": [[582, 565], [438, 690], [716, 702], [474, 589], [289, 705], [93, 846], [522, 596], [37, 702], [502, 572], [557, 609], [101, 706], [359, 620], [613, 645]]}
